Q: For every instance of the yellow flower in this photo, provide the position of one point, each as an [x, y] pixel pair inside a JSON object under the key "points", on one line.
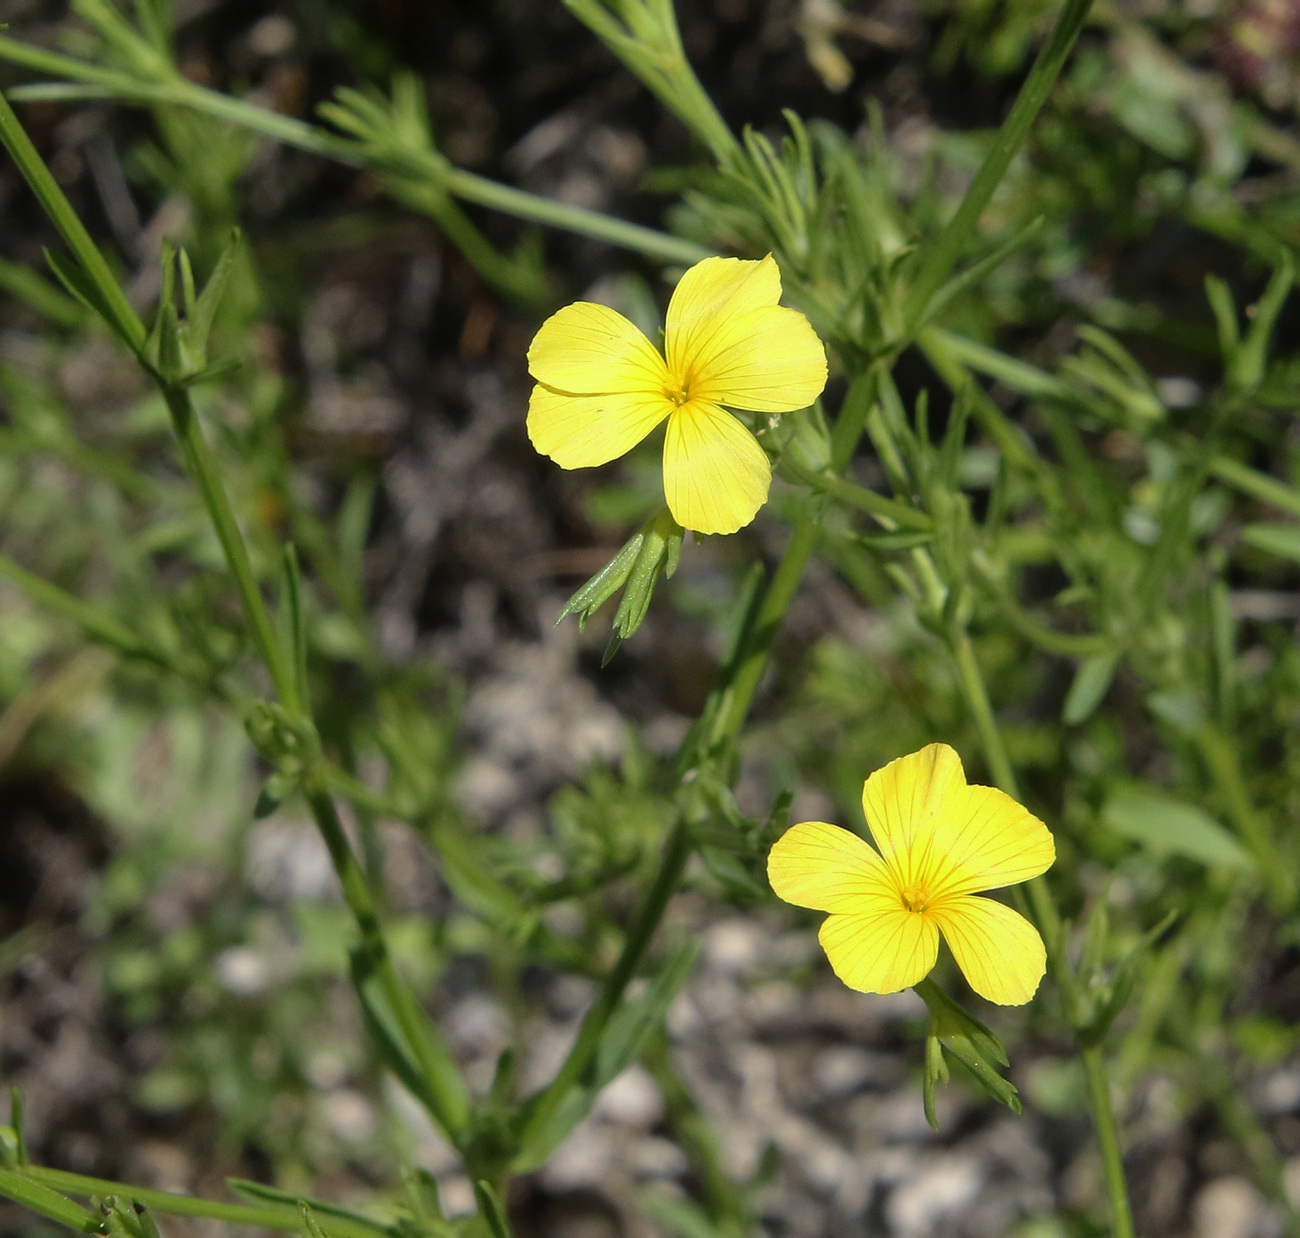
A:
{"points": [[602, 387], [940, 842]]}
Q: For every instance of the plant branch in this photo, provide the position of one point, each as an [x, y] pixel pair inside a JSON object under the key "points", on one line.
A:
{"points": [[943, 255], [291, 131], [282, 1217]]}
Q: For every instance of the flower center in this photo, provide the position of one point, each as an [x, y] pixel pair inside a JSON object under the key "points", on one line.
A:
{"points": [[678, 392], [915, 898]]}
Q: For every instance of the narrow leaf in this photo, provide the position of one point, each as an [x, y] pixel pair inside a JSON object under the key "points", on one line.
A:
{"points": [[209, 300], [390, 1038], [490, 1209], [1280, 538], [1090, 684], [1172, 826]]}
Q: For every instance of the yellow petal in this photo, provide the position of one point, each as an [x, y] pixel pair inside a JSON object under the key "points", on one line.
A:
{"points": [[768, 361], [942, 837], [826, 868], [981, 840], [716, 475], [591, 349], [902, 801], [578, 431], [880, 951], [708, 295], [999, 952]]}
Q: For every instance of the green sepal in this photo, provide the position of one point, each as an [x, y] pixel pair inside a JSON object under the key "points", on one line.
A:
{"points": [[286, 740], [218, 369], [809, 440], [275, 790], [169, 359], [309, 1227], [177, 343], [604, 584], [200, 312], [936, 1072], [293, 621], [128, 1218], [957, 1032], [17, 1126], [654, 550]]}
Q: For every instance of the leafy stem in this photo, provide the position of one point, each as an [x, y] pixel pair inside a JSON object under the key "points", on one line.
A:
{"points": [[431, 174], [943, 255], [45, 1186], [1049, 919], [98, 285]]}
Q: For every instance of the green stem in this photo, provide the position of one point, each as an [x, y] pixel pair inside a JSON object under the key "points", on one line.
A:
{"points": [[1049, 919], [853, 495], [977, 699], [1094, 1069], [45, 1202], [544, 1105], [285, 1217], [724, 1199], [1004, 776], [755, 644], [648, 41], [450, 1100], [516, 202], [203, 468], [942, 256], [317, 141]]}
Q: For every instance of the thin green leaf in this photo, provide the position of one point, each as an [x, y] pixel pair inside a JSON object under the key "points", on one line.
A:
{"points": [[1281, 538], [1171, 826], [491, 1209], [387, 1030], [1090, 684]]}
